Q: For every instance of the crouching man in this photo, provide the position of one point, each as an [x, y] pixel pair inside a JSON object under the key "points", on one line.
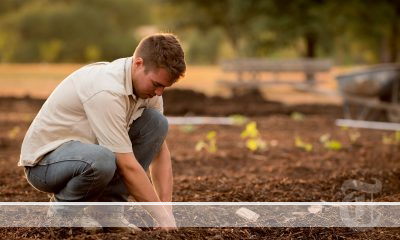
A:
{"points": [[100, 131]]}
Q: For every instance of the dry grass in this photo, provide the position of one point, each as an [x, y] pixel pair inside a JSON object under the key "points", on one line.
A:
{"points": [[39, 80]]}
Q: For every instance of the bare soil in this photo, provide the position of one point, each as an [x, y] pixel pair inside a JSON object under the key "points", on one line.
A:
{"points": [[282, 173]]}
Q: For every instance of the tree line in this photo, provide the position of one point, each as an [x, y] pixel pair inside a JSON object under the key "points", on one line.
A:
{"points": [[354, 31]]}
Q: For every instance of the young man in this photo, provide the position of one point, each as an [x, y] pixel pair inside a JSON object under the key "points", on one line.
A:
{"points": [[102, 128]]}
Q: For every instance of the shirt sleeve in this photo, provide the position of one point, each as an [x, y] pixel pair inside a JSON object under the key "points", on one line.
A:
{"points": [[156, 103], [106, 113]]}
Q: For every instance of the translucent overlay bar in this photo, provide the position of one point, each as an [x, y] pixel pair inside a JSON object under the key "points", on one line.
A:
{"points": [[194, 214]]}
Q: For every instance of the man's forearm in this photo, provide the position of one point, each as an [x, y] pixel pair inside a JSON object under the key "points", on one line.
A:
{"points": [[139, 186], [161, 174]]}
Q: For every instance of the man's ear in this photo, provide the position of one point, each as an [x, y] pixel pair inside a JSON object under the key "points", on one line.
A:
{"points": [[138, 61]]}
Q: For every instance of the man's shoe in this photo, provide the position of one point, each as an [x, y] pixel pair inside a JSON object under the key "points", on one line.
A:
{"points": [[66, 219], [111, 221]]}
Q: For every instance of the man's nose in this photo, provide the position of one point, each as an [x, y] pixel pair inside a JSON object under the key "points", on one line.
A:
{"points": [[159, 91]]}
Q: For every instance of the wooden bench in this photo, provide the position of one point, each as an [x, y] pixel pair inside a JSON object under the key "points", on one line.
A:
{"points": [[249, 72]]}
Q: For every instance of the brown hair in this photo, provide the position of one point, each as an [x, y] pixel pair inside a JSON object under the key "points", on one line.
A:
{"points": [[162, 50]]}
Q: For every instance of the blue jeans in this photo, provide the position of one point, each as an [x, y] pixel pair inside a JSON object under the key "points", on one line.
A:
{"points": [[81, 172]]}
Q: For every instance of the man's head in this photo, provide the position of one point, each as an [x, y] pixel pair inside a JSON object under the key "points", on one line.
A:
{"points": [[158, 62]]}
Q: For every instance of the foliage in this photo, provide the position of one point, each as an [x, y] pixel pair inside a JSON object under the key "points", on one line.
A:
{"points": [[52, 31], [77, 31], [238, 119], [392, 139], [12, 134], [298, 142], [210, 144], [253, 140], [353, 135], [296, 116], [250, 131], [329, 143], [188, 128]]}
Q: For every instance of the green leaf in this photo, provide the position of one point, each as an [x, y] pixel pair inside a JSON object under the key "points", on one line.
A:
{"points": [[324, 138], [296, 116], [188, 128], [333, 145], [238, 119], [250, 131], [354, 136], [252, 144], [302, 145], [387, 140], [12, 134], [211, 135], [397, 136]]}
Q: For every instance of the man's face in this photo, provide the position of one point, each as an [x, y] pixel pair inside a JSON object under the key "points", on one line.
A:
{"points": [[150, 83]]}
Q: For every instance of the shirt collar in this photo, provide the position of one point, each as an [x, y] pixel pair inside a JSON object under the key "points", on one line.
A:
{"points": [[128, 76]]}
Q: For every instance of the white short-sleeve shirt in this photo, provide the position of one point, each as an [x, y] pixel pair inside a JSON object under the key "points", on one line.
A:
{"points": [[95, 104]]}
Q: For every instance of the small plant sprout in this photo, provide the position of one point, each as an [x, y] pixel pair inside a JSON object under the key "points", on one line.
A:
{"points": [[296, 116], [187, 128], [302, 145], [252, 136], [238, 119], [397, 136], [250, 131], [391, 139], [210, 144], [353, 135], [329, 143], [344, 128], [12, 134], [254, 144]]}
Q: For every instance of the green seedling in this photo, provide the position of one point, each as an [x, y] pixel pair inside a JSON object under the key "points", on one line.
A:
{"points": [[210, 144], [254, 144], [329, 143], [238, 119], [324, 138], [397, 136], [296, 116], [333, 145], [354, 136], [252, 136], [344, 128], [188, 128], [391, 140], [387, 140], [250, 131], [302, 145], [12, 134]]}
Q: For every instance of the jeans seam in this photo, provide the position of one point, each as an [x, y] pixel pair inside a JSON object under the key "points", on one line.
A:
{"points": [[92, 168]]}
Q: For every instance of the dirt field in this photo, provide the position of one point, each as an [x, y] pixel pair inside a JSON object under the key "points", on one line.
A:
{"points": [[282, 173]]}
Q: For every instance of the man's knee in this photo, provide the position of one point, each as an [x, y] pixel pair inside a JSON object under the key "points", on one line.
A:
{"points": [[157, 121], [103, 162], [153, 123]]}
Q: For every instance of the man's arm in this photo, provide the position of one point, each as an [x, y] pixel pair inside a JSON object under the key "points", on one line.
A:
{"points": [[139, 186], [161, 174]]}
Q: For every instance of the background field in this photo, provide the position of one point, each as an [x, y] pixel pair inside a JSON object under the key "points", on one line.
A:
{"points": [[38, 80]]}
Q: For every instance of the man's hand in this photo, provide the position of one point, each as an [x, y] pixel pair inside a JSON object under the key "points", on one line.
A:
{"points": [[139, 186]]}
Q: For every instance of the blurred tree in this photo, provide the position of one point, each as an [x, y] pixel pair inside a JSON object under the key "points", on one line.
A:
{"points": [[374, 25], [70, 30], [232, 16], [306, 20], [203, 48]]}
